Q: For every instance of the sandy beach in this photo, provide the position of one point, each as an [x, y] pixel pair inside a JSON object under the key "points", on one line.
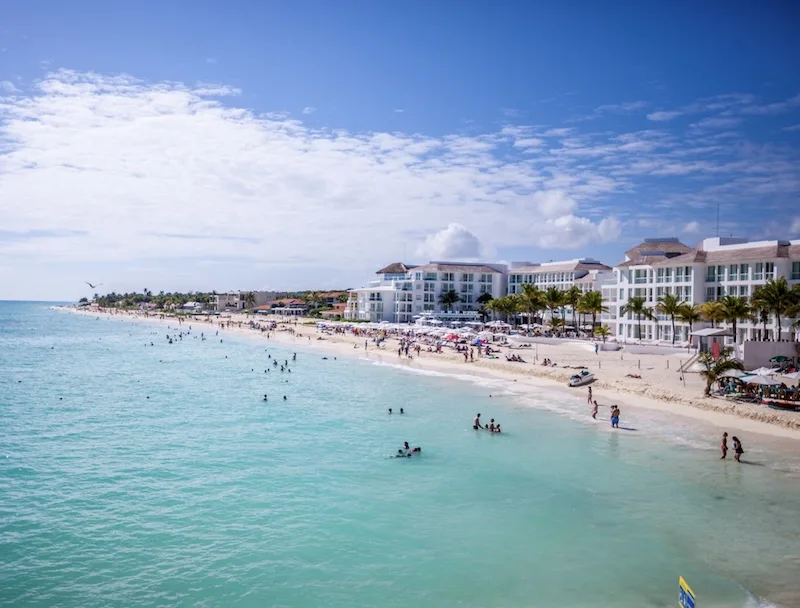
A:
{"points": [[661, 387]]}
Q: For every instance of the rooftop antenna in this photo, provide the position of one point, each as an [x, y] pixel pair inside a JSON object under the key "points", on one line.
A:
{"points": [[717, 219]]}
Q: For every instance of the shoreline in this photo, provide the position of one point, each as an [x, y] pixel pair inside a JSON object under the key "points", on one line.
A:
{"points": [[519, 376]]}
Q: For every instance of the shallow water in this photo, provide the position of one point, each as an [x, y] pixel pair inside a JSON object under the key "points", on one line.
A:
{"points": [[204, 495]]}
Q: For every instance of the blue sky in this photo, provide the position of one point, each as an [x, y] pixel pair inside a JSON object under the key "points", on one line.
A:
{"points": [[215, 145]]}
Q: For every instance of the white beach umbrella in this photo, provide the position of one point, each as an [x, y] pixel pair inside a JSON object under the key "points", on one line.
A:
{"points": [[793, 375], [764, 371], [734, 373], [762, 380]]}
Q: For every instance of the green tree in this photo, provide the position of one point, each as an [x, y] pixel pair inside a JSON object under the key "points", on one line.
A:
{"points": [[604, 331], [556, 324], [776, 297], [448, 299], [250, 299], [532, 300], [483, 301], [689, 313], [592, 304], [553, 300], [734, 310], [669, 305], [714, 368], [342, 298], [573, 297], [637, 306], [712, 311]]}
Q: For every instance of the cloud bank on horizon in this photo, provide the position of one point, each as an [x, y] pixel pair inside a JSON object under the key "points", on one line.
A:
{"points": [[115, 168]]}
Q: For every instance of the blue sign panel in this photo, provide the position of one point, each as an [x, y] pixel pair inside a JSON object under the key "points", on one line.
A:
{"points": [[685, 594]]}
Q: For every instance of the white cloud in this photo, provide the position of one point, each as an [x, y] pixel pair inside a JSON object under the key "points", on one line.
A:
{"points": [[795, 229], [571, 232], [718, 122], [309, 110], [663, 116], [792, 128], [452, 243], [7, 86], [529, 142], [211, 60], [692, 227], [115, 168]]}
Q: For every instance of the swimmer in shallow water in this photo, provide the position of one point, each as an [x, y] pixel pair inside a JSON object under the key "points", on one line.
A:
{"points": [[265, 397]]}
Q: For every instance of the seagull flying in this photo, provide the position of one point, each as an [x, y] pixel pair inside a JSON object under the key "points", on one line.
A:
{"points": [[92, 286]]}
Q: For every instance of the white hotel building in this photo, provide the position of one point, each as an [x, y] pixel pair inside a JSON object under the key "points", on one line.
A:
{"points": [[403, 292], [716, 267], [585, 273]]}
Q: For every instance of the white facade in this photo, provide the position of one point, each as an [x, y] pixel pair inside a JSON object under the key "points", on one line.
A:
{"points": [[401, 293], [585, 273], [716, 267]]}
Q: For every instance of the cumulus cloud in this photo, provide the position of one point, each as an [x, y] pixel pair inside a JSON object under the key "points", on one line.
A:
{"points": [[663, 116], [452, 243], [309, 110], [570, 232], [692, 227]]}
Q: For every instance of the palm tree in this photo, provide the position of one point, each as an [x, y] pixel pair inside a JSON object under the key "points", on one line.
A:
{"points": [[553, 299], [572, 297], [689, 313], [448, 298], [532, 300], [712, 311], [603, 331], [735, 309], [342, 298], [250, 299], [507, 306], [483, 300], [556, 324], [714, 368], [638, 307], [776, 297], [669, 304], [592, 303]]}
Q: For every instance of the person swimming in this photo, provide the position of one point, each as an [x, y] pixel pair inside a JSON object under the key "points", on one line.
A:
{"points": [[284, 397], [496, 428], [390, 410], [265, 397], [401, 411], [491, 425]]}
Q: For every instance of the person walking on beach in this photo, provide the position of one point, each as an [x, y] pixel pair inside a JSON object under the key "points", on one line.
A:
{"points": [[476, 424], [614, 417], [737, 449], [589, 400], [596, 347], [594, 410], [724, 446]]}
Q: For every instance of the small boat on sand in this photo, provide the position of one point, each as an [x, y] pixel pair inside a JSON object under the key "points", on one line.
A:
{"points": [[585, 377]]}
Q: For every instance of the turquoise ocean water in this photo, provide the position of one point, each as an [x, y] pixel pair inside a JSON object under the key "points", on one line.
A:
{"points": [[204, 495]]}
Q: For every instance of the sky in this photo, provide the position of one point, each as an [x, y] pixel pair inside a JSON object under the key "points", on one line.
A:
{"points": [[303, 145]]}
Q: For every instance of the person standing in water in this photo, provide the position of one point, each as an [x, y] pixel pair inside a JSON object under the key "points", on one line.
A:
{"points": [[476, 424], [589, 401], [724, 446], [614, 417], [737, 449], [594, 410]]}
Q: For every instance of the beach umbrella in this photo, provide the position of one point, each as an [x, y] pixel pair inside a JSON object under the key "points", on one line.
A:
{"points": [[763, 371], [779, 359], [734, 373], [762, 380], [451, 337], [793, 375]]}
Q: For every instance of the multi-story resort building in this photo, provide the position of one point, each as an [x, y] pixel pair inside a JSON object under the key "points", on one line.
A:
{"points": [[237, 300], [716, 267], [585, 273], [402, 293]]}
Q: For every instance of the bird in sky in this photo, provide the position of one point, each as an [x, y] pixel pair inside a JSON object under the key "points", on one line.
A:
{"points": [[92, 286]]}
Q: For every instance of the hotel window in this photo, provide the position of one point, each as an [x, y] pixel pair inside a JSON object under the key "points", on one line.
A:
{"points": [[744, 270], [769, 270], [448, 276], [733, 272], [466, 277], [679, 274], [430, 276], [668, 275], [430, 287], [744, 290], [419, 296], [795, 271], [687, 293], [467, 299], [720, 273], [758, 272], [710, 293], [659, 292], [660, 275], [486, 289], [688, 273], [711, 274], [621, 294]]}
